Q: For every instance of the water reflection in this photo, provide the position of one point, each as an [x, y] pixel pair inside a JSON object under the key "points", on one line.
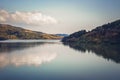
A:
{"points": [[54, 61], [107, 51], [25, 59], [11, 46], [19, 54]]}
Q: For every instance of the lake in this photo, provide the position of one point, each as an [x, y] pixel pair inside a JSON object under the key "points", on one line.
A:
{"points": [[52, 60]]}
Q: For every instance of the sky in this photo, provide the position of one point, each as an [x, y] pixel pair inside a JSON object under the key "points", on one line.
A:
{"points": [[59, 16]]}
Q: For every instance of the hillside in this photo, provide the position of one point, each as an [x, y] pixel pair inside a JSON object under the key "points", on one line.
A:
{"points": [[12, 32], [108, 33]]}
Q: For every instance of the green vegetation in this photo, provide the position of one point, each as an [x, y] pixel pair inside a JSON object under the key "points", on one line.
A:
{"points": [[108, 33], [12, 32]]}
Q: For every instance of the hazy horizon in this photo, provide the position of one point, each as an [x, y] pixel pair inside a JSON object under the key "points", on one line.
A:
{"points": [[59, 16]]}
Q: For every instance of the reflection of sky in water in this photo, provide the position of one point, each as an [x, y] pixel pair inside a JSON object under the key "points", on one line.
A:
{"points": [[54, 61], [19, 53], [26, 59]]}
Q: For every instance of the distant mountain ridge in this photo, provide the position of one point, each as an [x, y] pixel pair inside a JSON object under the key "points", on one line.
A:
{"points": [[108, 33], [12, 32], [64, 35]]}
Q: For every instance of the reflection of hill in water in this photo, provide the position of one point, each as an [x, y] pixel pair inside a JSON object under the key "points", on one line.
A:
{"points": [[10, 47], [25, 53], [107, 51], [19, 54]]}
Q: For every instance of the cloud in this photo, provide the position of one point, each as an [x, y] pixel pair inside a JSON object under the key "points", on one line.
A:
{"points": [[29, 18]]}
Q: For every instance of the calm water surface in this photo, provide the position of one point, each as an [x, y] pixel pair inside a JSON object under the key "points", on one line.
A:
{"points": [[51, 60]]}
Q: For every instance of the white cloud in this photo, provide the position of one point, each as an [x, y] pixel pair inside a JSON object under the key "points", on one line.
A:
{"points": [[29, 18]]}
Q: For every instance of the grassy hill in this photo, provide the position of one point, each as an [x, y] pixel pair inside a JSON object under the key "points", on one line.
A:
{"points": [[12, 32]]}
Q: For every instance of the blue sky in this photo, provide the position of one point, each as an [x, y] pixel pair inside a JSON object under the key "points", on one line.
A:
{"points": [[70, 15]]}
